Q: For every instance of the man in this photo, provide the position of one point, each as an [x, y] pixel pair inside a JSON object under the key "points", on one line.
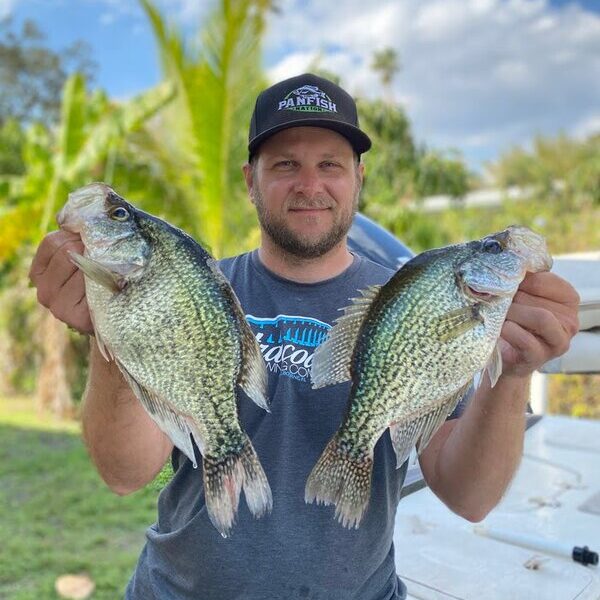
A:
{"points": [[304, 176]]}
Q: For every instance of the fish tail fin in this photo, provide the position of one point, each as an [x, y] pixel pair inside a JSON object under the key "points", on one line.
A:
{"points": [[256, 487], [224, 478], [342, 479]]}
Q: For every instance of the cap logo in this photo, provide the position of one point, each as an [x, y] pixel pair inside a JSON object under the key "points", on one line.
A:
{"points": [[307, 98]]}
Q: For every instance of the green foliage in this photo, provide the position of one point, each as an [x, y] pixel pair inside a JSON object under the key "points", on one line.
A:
{"points": [[575, 395], [91, 130], [32, 75], [391, 162], [386, 63], [58, 517], [567, 225], [18, 328], [61, 160], [560, 166], [396, 170], [203, 133], [12, 140], [437, 173]]}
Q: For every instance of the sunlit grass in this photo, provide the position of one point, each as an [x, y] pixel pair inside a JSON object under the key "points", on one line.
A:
{"points": [[57, 515]]}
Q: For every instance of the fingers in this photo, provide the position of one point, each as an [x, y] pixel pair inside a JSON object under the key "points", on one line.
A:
{"points": [[60, 285], [541, 323], [58, 272], [538, 328], [524, 353], [69, 303], [554, 294], [551, 287], [49, 246]]}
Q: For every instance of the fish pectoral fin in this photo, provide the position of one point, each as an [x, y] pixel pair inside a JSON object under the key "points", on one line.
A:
{"points": [[406, 434], [494, 365], [174, 424], [96, 271], [253, 377], [332, 359], [456, 322]]}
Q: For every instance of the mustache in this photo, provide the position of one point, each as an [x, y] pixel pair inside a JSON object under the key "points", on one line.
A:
{"points": [[304, 203]]}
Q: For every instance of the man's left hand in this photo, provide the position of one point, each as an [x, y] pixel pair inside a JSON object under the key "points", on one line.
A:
{"points": [[540, 323]]}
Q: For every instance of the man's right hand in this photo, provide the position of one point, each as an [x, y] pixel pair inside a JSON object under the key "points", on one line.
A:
{"points": [[60, 284]]}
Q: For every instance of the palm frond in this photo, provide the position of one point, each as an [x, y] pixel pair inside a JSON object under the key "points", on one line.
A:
{"points": [[121, 121]]}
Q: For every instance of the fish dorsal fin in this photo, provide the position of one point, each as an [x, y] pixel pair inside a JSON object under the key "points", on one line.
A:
{"points": [[405, 434], [174, 424], [332, 359], [253, 377], [98, 272]]}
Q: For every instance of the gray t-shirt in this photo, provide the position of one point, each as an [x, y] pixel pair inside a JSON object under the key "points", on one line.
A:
{"points": [[299, 551]]}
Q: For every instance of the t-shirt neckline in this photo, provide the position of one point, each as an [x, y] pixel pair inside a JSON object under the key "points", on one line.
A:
{"points": [[263, 270]]}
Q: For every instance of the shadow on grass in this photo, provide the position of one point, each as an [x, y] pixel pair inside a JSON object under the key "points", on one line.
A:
{"points": [[57, 517]]}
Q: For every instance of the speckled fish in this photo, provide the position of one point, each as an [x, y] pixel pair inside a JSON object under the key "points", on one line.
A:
{"points": [[411, 348], [165, 313]]}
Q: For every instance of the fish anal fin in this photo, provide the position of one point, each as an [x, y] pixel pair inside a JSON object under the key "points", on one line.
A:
{"points": [[332, 359], [418, 431], [98, 272], [174, 424], [457, 322]]}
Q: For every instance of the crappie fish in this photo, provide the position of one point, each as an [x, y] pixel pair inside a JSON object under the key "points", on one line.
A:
{"points": [[165, 313], [411, 349]]}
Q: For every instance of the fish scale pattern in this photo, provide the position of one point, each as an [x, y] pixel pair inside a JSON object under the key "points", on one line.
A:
{"points": [[177, 332], [415, 349]]}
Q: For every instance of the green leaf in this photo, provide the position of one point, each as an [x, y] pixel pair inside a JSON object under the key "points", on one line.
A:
{"points": [[114, 127], [205, 128]]}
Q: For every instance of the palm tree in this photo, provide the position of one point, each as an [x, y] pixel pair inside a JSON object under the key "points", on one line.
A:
{"points": [[201, 142], [387, 64], [89, 128]]}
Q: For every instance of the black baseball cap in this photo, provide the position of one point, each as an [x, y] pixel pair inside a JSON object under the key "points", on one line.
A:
{"points": [[310, 101]]}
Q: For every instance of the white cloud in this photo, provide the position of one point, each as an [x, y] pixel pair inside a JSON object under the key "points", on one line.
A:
{"points": [[186, 12], [513, 73], [588, 126], [7, 7], [293, 64], [478, 75]]}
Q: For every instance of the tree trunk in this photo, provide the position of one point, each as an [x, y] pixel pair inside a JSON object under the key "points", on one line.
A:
{"points": [[53, 390]]}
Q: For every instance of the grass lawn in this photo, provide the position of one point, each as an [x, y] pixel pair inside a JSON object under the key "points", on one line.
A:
{"points": [[56, 515]]}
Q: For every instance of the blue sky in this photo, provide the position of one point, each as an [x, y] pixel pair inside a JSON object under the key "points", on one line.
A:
{"points": [[477, 75]]}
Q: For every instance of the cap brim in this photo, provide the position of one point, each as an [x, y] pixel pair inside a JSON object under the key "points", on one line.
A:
{"points": [[358, 139]]}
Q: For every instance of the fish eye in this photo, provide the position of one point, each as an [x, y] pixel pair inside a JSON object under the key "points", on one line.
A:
{"points": [[119, 214], [492, 246]]}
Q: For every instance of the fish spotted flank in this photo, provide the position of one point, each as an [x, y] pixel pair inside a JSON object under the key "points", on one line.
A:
{"points": [[164, 312], [411, 349]]}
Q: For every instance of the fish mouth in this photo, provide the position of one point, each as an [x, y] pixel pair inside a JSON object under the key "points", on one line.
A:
{"points": [[80, 204], [64, 223], [480, 296]]}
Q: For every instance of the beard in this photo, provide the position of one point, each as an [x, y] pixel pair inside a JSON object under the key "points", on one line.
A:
{"points": [[299, 245]]}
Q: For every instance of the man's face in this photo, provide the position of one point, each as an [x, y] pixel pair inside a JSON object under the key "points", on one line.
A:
{"points": [[305, 184]]}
